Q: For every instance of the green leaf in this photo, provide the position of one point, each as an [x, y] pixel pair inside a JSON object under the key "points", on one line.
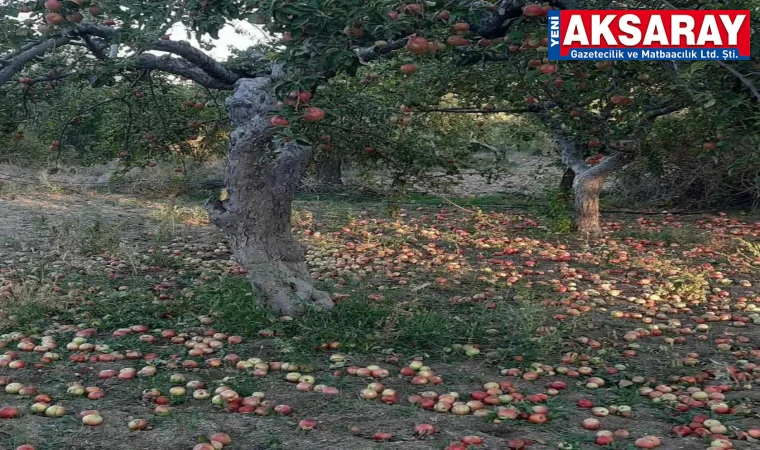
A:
{"points": [[697, 65]]}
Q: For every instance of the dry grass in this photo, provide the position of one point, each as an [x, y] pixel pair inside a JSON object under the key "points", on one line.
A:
{"points": [[159, 180]]}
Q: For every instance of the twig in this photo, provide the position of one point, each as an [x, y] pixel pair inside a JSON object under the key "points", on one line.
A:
{"points": [[745, 81]]}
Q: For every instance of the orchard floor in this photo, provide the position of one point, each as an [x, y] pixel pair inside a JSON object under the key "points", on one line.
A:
{"points": [[417, 285]]}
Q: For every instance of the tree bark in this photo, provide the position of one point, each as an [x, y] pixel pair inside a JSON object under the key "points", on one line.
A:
{"points": [[587, 186], [587, 191], [566, 183], [329, 170], [261, 178]]}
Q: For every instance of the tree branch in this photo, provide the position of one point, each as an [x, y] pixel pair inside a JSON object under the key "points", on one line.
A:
{"points": [[177, 66], [17, 63], [200, 59], [180, 48], [608, 165], [493, 24], [369, 53], [59, 76], [571, 154], [95, 48], [745, 81], [662, 111]]}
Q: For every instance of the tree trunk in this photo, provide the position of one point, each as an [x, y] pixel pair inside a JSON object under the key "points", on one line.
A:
{"points": [[261, 178], [587, 189], [329, 170], [588, 185], [566, 183]]}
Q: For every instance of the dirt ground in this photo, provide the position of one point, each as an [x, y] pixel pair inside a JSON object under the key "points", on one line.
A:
{"points": [[459, 280]]}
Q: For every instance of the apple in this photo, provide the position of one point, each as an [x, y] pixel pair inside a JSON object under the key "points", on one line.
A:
{"points": [[177, 391], [538, 418], [721, 408], [424, 429], [137, 424], [222, 438], [330, 390], [457, 41], [709, 146], [417, 45], [53, 5], [548, 69], [162, 410], [313, 114], [408, 68], [92, 420], [13, 388], [681, 430], [604, 440], [204, 446], [55, 411], [648, 442], [591, 424], [460, 410], [39, 407], [533, 10], [518, 444], [307, 424], [279, 121], [368, 394], [382, 437], [621, 433], [472, 440]]}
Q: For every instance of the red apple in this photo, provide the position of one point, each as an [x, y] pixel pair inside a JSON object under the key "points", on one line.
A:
{"points": [[8, 412], [591, 424], [307, 424], [424, 429], [648, 442]]}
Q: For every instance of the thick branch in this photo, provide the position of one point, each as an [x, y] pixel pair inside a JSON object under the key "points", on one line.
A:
{"points": [[608, 165], [571, 154], [17, 64], [9, 56], [200, 59], [369, 53], [95, 48], [180, 48], [494, 23], [180, 67]]}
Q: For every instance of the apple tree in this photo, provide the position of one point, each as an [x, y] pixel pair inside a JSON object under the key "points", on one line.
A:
{"points": [[270, 104]]}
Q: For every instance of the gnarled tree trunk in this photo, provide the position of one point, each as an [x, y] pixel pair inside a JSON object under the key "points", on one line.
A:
{"points": [[587, 181], [261, 179], [587, 187], [587, 191], [329, 170]]}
